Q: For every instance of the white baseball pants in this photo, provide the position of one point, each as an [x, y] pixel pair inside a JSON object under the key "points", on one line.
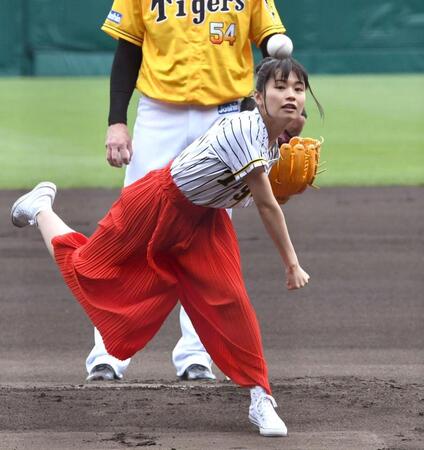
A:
{"points": [[161, 131]]}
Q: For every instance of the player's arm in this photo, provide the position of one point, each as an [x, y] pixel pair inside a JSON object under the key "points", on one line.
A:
{"points": [[263, 46], [273, 218], [124, 73]]}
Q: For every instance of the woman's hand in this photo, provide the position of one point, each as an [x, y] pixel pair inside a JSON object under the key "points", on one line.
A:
{"points": [[296, 277]]}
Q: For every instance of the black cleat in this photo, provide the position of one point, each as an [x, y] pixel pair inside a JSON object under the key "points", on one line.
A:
{"points": [[197, 372], [102, 372]]}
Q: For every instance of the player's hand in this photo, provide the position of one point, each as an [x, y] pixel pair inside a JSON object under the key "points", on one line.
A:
{"points": [[118, 145], [296, 277]]}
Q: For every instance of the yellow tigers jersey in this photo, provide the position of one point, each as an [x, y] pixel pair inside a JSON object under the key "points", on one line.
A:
{"points": [[194, 51]]}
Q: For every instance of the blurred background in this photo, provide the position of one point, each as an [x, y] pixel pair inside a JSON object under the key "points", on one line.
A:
{"points": [[366, 61]]}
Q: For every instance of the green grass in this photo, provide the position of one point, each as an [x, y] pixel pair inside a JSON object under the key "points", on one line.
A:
{"points": [[373, 129], [54, 129]]}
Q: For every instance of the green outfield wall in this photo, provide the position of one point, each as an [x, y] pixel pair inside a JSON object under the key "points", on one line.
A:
{"points": [[63, 37]]}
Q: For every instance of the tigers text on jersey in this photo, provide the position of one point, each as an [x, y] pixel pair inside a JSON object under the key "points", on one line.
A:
{"points": [[210, 172], [194, 51]]}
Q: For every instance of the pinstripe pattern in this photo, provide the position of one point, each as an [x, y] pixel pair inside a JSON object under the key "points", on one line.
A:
{"points": [[210, 172]]}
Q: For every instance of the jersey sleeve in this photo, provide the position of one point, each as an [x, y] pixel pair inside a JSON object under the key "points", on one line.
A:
{"points": [[125, 21], [241, 144], [264, 20]]}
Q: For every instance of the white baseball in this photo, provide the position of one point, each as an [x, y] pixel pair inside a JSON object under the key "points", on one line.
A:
{"points": [[279, 46]]}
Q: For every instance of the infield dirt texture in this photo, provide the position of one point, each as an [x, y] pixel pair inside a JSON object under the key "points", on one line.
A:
{"points": [[345, 353]]}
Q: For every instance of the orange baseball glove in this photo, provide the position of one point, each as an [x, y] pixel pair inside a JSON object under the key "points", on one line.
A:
{"points": [[296, 168]]}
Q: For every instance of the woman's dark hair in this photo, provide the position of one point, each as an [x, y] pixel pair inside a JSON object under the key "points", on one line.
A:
{"points": [[271, 67]]}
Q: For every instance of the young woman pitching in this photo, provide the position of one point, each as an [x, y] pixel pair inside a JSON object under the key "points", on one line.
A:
{"points": [[168, 237]]}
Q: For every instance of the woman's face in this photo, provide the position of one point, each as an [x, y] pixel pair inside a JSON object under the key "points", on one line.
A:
{"points": [[285, 99]]}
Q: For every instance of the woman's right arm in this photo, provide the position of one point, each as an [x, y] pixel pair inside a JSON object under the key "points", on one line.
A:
{"points": [[273, 218]]}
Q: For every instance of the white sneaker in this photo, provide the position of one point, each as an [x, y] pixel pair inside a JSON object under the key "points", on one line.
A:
{"points": [[263, 415], [24, 211]]}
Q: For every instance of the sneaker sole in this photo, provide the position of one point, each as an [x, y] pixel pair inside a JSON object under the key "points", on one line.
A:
{"points": [[43, 184], [268, 432]]}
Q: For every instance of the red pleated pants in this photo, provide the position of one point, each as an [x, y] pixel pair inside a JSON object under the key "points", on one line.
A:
{"points": [[153, 248]]}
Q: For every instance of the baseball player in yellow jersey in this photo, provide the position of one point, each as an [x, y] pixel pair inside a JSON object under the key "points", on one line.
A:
{"points": [[194, 52], [191, 61]]}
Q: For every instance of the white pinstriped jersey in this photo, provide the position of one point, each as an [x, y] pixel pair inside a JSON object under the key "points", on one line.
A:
{"points": [[210, 172]]}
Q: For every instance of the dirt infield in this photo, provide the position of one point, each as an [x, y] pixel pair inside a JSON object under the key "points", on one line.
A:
{"points": [[345, 354]]}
